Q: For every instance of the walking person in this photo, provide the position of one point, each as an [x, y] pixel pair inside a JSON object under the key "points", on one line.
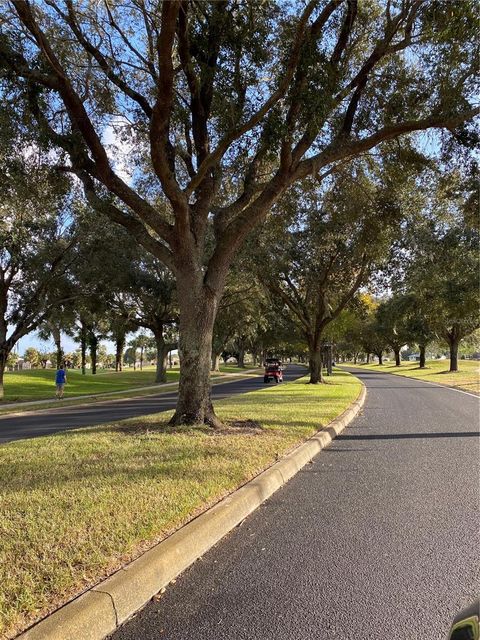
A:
{"points": [[60, 381]]}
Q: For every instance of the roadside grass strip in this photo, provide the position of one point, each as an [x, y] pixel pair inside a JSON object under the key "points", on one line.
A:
{"points": [[466, 378], [39, 384], [78, 505], [217, 377]]}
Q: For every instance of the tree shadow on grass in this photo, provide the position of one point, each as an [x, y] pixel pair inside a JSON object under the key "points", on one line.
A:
{"points": [[229, 427]]}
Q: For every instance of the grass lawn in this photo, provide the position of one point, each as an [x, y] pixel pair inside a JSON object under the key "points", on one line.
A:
{"points": [[39, 384], [79, 504], [467, 378]]}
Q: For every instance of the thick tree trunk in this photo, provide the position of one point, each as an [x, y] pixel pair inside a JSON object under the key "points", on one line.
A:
{"points": [[422, 356], [397, 357], [453, 343], [119, 347], [59, 353], [241, 357], [198, 308], [83, 349], [57, 338], [315, 365], [368, 358], [379, 355], [329, 363], [216, 361], [354, 359], [93, 345], [162, 355], [3, 364]]}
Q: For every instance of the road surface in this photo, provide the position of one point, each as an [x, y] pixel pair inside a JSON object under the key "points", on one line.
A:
{"points": [[48, 421], [376, 540]]}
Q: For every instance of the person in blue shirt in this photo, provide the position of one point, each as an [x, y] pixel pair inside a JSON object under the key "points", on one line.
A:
{"points": [[60, 381]]}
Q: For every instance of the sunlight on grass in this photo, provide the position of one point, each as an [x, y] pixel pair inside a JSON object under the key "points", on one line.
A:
{"points": [[38, 384], [467, 378], [77, 505]]}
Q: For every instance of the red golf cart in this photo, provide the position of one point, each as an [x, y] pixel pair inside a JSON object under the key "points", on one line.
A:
{"points": [[273, 370]]}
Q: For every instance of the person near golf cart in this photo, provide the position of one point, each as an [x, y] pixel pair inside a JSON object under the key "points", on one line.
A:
{"points": [[273, 370]]}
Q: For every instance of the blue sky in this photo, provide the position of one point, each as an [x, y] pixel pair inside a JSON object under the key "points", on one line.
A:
{"points": [[68, 344]]}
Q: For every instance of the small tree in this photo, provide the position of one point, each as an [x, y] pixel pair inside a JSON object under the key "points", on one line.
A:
{"points": [[331, 246], [32, 356], [444, 261], [391, 325]]}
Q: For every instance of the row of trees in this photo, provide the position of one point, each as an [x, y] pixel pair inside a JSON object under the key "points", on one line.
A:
{"points": [[433, 278], [222, 111]]}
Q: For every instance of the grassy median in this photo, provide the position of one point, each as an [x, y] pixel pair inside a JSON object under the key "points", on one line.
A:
{"points": [[77, 505], [467, 377], [39, 384]]}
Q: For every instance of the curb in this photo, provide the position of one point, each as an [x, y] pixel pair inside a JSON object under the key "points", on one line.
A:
{"points": [[102, 609]]}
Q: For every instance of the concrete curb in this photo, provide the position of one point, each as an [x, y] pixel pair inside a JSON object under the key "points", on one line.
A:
{"points": [[101, 610]]}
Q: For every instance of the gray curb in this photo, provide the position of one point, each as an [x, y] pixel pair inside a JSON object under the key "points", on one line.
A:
{"points": [[101, 610]]}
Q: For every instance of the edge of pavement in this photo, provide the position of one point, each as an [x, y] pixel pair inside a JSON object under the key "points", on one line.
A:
{"points": [[474, 394], [101, 610], [108, 396]]}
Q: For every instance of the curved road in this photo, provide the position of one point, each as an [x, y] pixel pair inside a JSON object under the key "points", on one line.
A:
{"points": [[48, 421], [376, 540]]}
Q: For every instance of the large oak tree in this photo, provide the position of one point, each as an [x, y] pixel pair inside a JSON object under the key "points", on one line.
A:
{"points": [[223, 105]]}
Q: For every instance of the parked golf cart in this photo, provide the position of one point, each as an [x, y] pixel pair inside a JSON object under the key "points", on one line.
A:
{"points": [[273, 370]]}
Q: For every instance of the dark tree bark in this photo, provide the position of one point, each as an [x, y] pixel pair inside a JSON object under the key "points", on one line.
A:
{"points": [[83, 348], [198, 307], [93, 346], [216, 361], [241, 357], [55, 331], [315, 366], [119, 348], [422, 348], [315, 363], [397, 357], [453, 343], [368, 358], [379, 355], [162, 356], [3, 364]]}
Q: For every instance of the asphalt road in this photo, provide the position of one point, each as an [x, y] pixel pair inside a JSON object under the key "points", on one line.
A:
{"points": [[48, 421], [377, 539]]}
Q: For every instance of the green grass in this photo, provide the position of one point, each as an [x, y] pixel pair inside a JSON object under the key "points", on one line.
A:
{"points": [[39, 384], [134, 392], [79, 504], [232, 368], [467, 377]]}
